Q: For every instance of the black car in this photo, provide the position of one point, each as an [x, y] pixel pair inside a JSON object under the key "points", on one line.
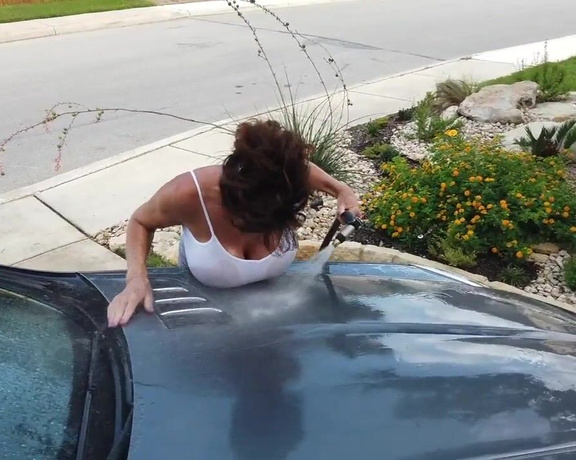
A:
{"points": [[363, 362]]}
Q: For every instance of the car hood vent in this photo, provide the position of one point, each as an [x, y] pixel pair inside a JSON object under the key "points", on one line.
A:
{"points": [[178, 306]]}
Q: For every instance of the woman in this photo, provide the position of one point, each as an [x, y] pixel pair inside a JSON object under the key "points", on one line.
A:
{"points": [[238, 219]]}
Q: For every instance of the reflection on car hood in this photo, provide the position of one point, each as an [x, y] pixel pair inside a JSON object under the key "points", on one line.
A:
{"points": [[350, 367]]}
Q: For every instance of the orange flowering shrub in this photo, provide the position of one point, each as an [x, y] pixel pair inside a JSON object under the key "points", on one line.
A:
{"points": [[477, 196]]}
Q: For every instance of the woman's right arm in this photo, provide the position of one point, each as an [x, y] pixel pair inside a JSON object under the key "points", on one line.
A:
{"points": [[169, 204]]}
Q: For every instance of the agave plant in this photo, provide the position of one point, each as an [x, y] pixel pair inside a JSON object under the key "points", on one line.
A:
{"points": [[551, 141], [452, 92]]}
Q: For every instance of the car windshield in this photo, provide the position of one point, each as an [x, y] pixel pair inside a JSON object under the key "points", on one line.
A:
{"points": [[44, 361]]}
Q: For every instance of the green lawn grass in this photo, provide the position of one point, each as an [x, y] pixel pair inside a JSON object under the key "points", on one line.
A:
{"points": [[23, 12], [569, 66]]}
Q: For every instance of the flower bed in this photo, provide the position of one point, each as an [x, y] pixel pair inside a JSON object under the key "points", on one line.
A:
{"points": [[467, 200]]}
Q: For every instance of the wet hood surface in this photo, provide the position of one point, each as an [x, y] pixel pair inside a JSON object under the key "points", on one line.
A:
{"points": [[349, 367]]}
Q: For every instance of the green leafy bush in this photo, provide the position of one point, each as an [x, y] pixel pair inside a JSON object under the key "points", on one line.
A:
{"points": [[447, 251], [452, 92], [515, 275], [478, 196], [429, 124], [406, 114], [375, 126], [551, 141], [552, 80], [381, 152], [534, 72], [570, 273]]}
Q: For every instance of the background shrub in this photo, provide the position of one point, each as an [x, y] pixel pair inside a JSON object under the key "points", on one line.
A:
{"points": [[551, 141], [452, 92], [570, 273], [552, 80], [479, 197], [515, 276], [406, 114], [322, 131], [381, 152], [375, 126], [446, 250], [428, 123]]}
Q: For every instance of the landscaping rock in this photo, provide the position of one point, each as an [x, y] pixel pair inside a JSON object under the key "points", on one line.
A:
{"points": [[376, 254], [307, 249], [117, 242], [165, 244], [450, 113], [546, 248], [485, 131], [550, 281], [171, 254], [540, 259], [554, 111], [405, 141], [500, 103], [102, 238], [518, 133], [347, 252], [166, 238]]}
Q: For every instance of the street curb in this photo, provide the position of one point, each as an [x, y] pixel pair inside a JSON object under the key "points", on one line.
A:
{"points": [[63, 25], [357, 252]]}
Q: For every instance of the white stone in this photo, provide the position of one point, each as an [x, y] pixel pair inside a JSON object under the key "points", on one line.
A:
{"points": [[500, 103], [165, 237], [165, 244], [117, 242], [546, 248], [170, 253], [539, 259], [307, 249], [347, 252], [554, 111], [450, 113]]}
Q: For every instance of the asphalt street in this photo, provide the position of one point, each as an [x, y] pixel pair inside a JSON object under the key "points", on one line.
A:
{"points": [[208, 68]]}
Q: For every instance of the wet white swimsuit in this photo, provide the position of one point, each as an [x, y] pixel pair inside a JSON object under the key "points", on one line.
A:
{"points": [[211, 264]]}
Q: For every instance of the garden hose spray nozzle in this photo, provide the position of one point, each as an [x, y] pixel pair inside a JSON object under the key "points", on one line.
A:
{"points": [[336, 237]]}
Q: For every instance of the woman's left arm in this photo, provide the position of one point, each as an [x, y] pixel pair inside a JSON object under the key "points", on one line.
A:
{"points": [[323, 182]]}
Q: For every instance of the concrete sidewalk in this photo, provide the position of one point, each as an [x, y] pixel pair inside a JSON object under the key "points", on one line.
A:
{"points": [[39, 28], [49, 225]]}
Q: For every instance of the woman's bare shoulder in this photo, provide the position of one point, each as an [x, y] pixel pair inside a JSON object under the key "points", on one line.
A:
{"points": [[184, 186]]}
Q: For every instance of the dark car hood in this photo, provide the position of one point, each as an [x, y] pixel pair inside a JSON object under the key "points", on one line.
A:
{"points": [[349, 367]]}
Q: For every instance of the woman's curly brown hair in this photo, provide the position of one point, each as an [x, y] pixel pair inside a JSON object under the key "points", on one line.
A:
{"points": [[264, 183]]}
